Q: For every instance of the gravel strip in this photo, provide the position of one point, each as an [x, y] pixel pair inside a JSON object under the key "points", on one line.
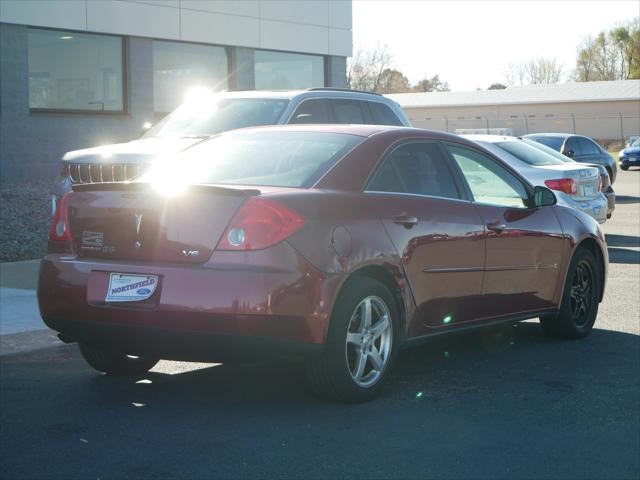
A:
{"points": [[25, 216]]}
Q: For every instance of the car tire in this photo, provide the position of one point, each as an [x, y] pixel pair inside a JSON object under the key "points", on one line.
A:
{"points": [[115, 363], [624, 167], [580, 299], [359, 353]]}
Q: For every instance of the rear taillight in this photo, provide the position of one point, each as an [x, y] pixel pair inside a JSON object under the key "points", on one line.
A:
{"points": [[259, 224], [60, 231], [566, 185]]}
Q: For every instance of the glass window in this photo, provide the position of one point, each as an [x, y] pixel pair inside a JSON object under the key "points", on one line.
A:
{"points": [[488, 181], [572, 144], [347, 111], [206, 116], [587, 147], [281, 159], [179, 67], [278, 70], [551, 142], [311, 111], [418, 168], [528, 154], [554, 153], [75, 71], [383, 115]]}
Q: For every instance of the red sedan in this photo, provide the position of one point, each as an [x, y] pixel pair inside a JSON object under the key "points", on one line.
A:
{"points": [[337, 243]]}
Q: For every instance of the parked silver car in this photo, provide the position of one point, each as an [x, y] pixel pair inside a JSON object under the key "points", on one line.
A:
{"points": [[575, 185], [207, 114]]}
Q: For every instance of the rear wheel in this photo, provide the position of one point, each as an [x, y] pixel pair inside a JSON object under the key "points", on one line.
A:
{"points": [[361, 345], [579, 306], [115, 363]]}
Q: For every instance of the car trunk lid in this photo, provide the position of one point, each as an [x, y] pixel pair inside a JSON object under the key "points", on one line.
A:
{"points": [[586, 178], [134, 222]]}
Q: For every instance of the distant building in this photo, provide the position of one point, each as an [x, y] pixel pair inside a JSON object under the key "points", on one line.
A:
{"points": [[78, 73], [606, 111]]}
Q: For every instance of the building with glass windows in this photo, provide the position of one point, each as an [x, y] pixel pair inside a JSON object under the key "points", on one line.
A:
{"points": [[80, 73]]}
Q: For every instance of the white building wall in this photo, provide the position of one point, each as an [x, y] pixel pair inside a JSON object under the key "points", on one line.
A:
{"points": [[308, 26]]}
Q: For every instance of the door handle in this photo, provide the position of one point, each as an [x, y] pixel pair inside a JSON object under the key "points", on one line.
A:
{"points": [[496, 227], [407, 221]]}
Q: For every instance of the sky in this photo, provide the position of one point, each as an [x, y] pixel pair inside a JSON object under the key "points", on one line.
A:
{"points": [[470, 44]]}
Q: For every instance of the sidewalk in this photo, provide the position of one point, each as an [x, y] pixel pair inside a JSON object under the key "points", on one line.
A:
{"points": [[21, 328]]}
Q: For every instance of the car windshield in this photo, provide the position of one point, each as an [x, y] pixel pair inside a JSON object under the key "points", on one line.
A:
{"points": [[260, 158], [636, 142], [203, 118], [553, 142]]}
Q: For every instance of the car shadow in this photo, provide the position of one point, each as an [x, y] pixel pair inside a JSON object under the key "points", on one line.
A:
{"points": [[627, 199], [624, 255], [498, 393], [622, 240]]}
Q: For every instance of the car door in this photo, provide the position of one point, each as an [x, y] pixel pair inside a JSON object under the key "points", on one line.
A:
{"points": [[523, 244], [436, 231]]}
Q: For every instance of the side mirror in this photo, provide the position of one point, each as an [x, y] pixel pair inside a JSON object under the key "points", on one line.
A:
{"points": [[543, 197], [568, 152]]}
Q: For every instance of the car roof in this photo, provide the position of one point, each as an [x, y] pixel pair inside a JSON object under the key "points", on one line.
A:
{"points": [[360, 130], [491, 138], [557, 135], [321, 92]]}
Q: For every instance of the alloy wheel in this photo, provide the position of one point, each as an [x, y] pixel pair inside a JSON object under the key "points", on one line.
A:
{"points": [[368, 341], [581, 292]]}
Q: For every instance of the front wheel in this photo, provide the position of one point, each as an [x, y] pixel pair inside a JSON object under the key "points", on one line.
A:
{"points": [[115, 363], [579, 306], [624, 166], [362, 343]]}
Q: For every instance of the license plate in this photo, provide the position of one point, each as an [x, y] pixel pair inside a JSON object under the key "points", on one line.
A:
{"points": [[124, 287], [588, 190]]}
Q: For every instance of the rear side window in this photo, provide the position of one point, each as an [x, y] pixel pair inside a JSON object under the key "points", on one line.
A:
{"points": [[348, 111], [311, 111], [383, 115], [587, 147], [572, 144], [418, 168]]}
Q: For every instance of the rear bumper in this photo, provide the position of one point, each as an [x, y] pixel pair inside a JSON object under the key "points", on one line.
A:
{"points": [[265, 297], [630, 161], [597, 208]]}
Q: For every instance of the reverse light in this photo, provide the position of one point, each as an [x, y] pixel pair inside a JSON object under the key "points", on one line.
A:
{"points": [[259, 224], [566, 185], [60, 231], [599, 183]]}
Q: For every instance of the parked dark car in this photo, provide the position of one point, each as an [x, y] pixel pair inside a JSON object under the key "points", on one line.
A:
{"points": [[579, 148], [205, 114], [336, 243], [630, 156]]}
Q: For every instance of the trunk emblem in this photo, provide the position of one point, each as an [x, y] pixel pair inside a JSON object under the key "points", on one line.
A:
{"points": [[190, 253], [137, 218], [137, 244]]}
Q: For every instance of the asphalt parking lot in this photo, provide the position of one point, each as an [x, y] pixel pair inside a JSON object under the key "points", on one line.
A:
{"points": [[502, 403]]}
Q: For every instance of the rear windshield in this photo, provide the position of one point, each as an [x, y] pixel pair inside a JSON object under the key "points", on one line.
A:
{"points": [[215, 115], [550, 151], [268, 158], [528, 154], [553, 142]]}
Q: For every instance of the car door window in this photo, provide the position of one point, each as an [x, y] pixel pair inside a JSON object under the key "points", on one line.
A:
{"points": [[383, 115], [311, 111], [418, 168], [348, 111], [489, 181], [572, 144], [587, 147]]}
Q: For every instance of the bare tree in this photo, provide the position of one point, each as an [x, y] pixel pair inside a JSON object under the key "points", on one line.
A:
{"points": [[393, 81], [534, 71], [365, 69], [433, 84]]}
